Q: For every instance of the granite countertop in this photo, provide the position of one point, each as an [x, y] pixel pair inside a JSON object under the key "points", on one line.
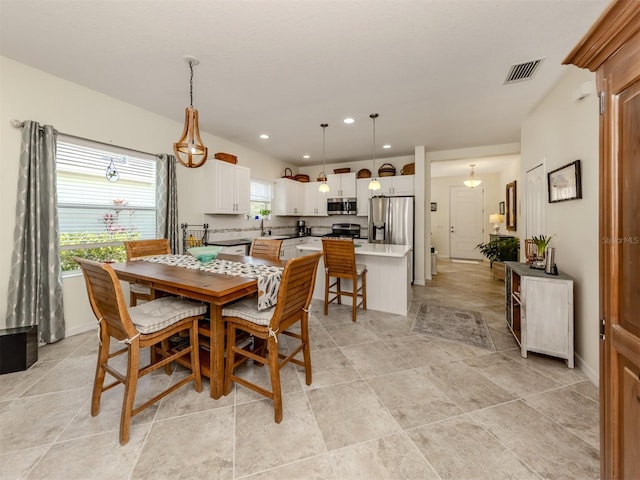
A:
{"points": [[232, 242], [363, 247]]}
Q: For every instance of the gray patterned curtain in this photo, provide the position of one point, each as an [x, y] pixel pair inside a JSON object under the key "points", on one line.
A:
{"points": [[35, 285], [167, 201]]}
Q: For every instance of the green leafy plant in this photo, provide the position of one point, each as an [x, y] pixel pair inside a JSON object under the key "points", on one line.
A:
{"points": [[541, 243], [111, 253], [500, 250], [265, 212]]}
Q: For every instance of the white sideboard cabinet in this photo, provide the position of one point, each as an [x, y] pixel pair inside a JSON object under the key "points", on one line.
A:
{"points": [[539, 311]]}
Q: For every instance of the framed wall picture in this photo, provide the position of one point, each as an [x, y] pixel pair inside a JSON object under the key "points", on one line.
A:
{"points": [[511, 206], [501, 208], [565, 183]]}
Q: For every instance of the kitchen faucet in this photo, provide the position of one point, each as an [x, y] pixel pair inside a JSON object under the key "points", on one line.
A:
{"points": [[262, 228]]}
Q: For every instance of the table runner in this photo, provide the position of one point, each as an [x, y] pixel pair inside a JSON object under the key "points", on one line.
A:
{"points": [[268, 276]]}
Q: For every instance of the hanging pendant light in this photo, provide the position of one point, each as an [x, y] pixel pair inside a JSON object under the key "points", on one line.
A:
{"points": [[189, 150], [472, 182], [324, 187], [374, 184]]}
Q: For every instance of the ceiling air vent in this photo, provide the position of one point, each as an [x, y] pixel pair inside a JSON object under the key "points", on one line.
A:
{"points": [[523, 71]]}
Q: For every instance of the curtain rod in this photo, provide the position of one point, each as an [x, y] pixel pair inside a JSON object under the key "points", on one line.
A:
{"points": [[18, 124]]}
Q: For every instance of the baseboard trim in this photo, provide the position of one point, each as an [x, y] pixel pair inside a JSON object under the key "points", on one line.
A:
{"points": [[85, 327], [586, 369]]}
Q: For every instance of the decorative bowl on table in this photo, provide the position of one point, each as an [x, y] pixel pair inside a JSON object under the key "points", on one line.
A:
{"points": [[205, 254]]}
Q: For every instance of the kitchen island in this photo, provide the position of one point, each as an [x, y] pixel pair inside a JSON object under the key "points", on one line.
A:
{"points": [[388, 275]]}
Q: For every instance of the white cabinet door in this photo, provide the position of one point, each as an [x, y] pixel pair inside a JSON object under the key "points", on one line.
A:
{"points": [[342, 185], [228, 188], [397, 185], [288, 198], [363, 194], [315, 201]]}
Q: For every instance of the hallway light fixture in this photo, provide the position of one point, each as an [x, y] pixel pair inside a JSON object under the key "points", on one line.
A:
{"points": [[374, 184], [324, 187], [472, 182], [190, 143]]}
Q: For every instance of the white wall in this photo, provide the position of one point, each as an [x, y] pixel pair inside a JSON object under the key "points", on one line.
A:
{"points": [[560, 131], [29, 94]]}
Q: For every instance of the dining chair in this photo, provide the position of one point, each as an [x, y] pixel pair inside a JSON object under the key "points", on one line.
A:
{"points": [[294, 298], [340, 263], [143, 326], [266, 247], [141, 248]]}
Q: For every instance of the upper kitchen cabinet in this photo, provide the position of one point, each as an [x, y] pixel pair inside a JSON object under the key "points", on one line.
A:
{"points": [[396, 185], [363, 196], [315, 201], [229, 190], [288, 198], [342, 185]]}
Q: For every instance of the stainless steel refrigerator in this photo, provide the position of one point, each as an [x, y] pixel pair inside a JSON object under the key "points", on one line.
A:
{"points": [[391, 221]]}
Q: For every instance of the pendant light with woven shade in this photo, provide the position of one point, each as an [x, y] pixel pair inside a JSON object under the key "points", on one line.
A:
{"points": [[374, 184], [323, 187], [189, 150]]}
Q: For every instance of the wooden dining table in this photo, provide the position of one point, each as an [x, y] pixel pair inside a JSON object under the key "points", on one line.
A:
{"points": [[215, 289]]}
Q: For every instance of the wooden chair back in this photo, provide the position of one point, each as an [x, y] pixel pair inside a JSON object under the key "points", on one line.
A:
{"points": [[339, 257], [266, 247], [106, 298], [142, 248], [296, 289]]}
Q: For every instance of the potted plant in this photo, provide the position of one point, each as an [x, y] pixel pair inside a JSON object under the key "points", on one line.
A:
{"points": [[264, 213], [541, 243], [498, 251]]}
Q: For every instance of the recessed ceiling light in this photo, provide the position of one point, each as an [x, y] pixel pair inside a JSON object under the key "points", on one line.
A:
{"points": [[264, 136], [348, 120], [386, 146], [306, 156]]}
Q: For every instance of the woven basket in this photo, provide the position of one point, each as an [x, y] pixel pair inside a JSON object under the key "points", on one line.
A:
{"points": [[408, 169], [387, 170], [322, 177], [226, 157], [288, 173], [301, 177], [364, 173], [341, 170]]}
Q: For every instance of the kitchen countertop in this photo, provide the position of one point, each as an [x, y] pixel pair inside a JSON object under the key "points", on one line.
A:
{"points": [[366, 248], [230, 243]]}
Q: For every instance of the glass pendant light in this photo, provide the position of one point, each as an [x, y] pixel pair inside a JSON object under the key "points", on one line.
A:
{"points": [[324, 187], [374, 184], [472, 182], [190, 143]]}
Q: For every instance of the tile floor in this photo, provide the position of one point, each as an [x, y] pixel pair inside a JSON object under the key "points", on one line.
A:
{"points": [[384, 404]]}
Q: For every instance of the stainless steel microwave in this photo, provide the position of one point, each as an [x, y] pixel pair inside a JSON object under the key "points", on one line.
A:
{"points": [[342, 206]]}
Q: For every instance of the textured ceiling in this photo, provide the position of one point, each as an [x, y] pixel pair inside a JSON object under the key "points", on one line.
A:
{"points": [[433, 70]]}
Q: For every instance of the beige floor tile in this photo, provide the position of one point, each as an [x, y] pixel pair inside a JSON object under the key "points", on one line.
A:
{"points": [[74, 372], [197, 446], [350, 413], [503, 340], [289, 381], [262, 444], [391, 326], [17, 465], [478, 455], [466, 388], [587, 389], [552, 367], [38, 420], [389, 458], [412, 399], [573, 411], [509, 375], [419, 351], [62, 349], [186, 400], [96, 457], [329, 367], [542, 444], [13, 385], [351, 334], [373, 359], [314, 468], [319, 338]]}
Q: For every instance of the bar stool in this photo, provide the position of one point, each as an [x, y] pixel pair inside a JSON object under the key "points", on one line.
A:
{"points": [[340, 263]]}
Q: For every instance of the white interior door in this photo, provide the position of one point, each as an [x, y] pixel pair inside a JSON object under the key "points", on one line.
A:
{"points": [[466, 224], [535, 201]]}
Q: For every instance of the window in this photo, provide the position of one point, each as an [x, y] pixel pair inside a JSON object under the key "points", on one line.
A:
{"points": [[105, 196], [260, 197]]}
